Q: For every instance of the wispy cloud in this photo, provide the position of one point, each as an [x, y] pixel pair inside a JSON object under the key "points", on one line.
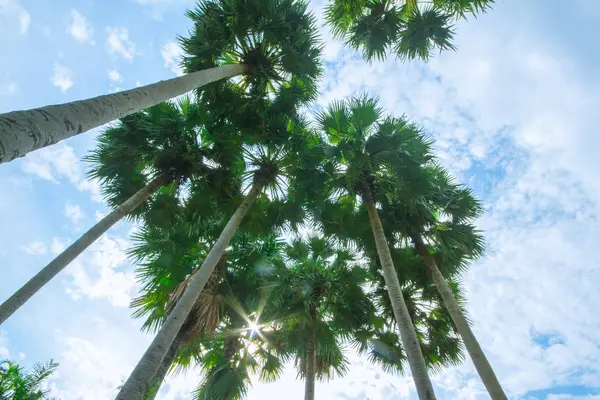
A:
{"points": [[171, 53], [80, 28], [114, 75], [74, 213], [37, 248], [60, 162], [62, 78], [118, 43], [10, 89], [13, 13], [95, 276]]}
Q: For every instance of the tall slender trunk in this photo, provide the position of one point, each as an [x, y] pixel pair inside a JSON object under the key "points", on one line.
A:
{"points": [[405, 324], [475, 351], [21, 296], [182, 337], [137, 383], [165, 364], [311, 360], [24, 131]]}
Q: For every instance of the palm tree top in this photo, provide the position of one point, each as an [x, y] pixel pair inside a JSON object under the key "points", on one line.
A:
{"points": [[365, 148], [411, 28], [16, 383], [170, 139], [275, 39]]}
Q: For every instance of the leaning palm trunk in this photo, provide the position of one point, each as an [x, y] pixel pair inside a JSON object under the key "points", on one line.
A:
{"points": [[197, 322], [21, 296], [165, 365], [24, 131], [405, 325], [477, 355], [137, 383], [311, 358]]}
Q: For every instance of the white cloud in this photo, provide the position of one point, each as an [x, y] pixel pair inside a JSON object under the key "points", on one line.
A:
{"points": [[114, 75], [96, 274], [74, 213], [118, 43], [4, 352], [36, 247], [60, 161], [171, 53], [159, 7], [113, 88], [10, 89], [62, 78], [80, 28], [58, 246], [92, 367], [12, 13], [99, 215], [24, 21]]}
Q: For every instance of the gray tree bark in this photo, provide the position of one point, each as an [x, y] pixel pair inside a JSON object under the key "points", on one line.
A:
{"points": [[24, 131], [405, 324], [137, 384], [21, 296], [478, 357], [165, 365], [311, 359]]}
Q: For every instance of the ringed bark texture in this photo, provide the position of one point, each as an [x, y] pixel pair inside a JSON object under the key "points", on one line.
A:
{"points": [[24, 131]]}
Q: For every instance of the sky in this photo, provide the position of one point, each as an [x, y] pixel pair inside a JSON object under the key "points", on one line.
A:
{"points": [[514, 113]]}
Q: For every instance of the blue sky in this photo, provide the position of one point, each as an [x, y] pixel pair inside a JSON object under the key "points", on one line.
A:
{"points": [[514, 115]]}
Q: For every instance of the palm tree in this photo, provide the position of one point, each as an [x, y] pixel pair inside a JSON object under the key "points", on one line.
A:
{"points": [[268, 43], [166, 260], [411, 28], [18, 384], [243, 345], [364, 149], [267, 170], [434, 213], [317, 303], [440, 343], [148, 155]]}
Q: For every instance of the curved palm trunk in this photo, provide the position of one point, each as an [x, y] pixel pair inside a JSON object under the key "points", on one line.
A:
{"points": [[165, 365], [311, 358], [475, 351], [22, 295], [405, 324], [24, 131], [137, 383]]}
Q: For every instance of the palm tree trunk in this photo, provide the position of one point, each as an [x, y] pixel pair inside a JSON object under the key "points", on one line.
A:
{"points": [[137, 383], [21, 296], [24, 131], [311, 359], [405, 324], [475, 351], [165, 365]]}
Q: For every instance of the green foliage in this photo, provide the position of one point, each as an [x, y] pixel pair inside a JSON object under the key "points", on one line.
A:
{"points": [[320, 290], [169, 140], [16, 383], [440, 342], [277, 42], [412, 28]]}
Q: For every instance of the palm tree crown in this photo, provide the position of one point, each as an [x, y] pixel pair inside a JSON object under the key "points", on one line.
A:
{"points": [[411, 28], [317, 302], [18, 384]]}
